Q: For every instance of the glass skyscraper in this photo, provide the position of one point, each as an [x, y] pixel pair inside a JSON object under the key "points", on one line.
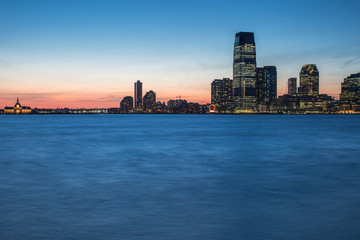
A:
{"points": [[138, 94], [292, 82], [309, 80], [244, 72], [222, 93], [266, 85]]}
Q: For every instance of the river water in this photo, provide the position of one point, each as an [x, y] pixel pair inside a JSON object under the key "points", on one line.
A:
{"points": [[179, 177]]}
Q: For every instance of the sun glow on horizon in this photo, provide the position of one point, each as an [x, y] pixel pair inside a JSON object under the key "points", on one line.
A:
{"points": [[72, 54]]}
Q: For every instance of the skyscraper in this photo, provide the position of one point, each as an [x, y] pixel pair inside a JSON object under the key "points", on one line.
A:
{"points": [[266, 85], [309, 80], [149, 100], [126, 105], [138, 94], [222, 93], [271, 78], [350, 93], [292, 82], [244, 72]]}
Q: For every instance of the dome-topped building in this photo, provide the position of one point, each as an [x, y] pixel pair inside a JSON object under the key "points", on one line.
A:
{"points": [[17, 109], [17, 104]]}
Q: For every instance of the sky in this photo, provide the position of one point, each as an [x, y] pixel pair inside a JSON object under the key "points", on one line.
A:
{"points": [[74, 53]]}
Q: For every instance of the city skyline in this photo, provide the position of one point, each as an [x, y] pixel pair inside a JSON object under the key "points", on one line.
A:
{"points": [[88, 55]]}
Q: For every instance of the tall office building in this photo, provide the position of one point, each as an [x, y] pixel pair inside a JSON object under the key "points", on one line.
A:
{"points": [[126, 105], [244, 71], [149, 100], [350, 93], [222, 93], [292, 82], [309, 80], [266, 85], [138, 94]]}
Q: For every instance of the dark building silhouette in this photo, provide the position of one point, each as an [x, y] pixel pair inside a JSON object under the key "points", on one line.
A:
{"points": [[126, 105], [266, 85], [350, 93], [176, 103], [149, 101], [222, 93], [182, 106], [244, 71], [291, 84], [309, 80], [138, 94]]}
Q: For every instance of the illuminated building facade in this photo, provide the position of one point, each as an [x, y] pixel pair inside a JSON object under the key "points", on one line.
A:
{"points": [[149, 101], [266, 85], [291, 86], [222, 93], [309, 80], [350, 93], [126, 105], [244, 72], [138, 94], [17, 109], [321, 103]]}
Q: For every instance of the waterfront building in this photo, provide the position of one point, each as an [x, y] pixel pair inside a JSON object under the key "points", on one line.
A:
{"points": [[17, 109], [291, 86], [126, 105], [160, 107], [204, 108], [244, 72], [180, 105], [309, 80], [321, 103], [222, 93], [86, 111], [266, 86], [113, 111], [350, 93], [138, 94], [286, 104], [149, 101], [74, 111], [43, 111], [176, 103]]}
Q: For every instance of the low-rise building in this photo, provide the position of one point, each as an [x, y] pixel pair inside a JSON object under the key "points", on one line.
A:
{"points": [[17, 109]]}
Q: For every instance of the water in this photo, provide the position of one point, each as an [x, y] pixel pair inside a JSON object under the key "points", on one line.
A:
{"points": [[179, 177]]}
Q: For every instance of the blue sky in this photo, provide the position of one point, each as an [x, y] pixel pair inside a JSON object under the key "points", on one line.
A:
{"points": [[74, 53]]}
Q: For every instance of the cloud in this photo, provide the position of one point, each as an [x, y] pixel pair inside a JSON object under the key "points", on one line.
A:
{"points": [[352, 61]]}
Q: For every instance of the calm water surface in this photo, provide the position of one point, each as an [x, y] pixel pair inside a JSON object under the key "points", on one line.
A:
{"points": [[179, 177]]}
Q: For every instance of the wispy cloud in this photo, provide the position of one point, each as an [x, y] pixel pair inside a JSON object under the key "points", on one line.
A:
{"points": [[351, 62]]}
